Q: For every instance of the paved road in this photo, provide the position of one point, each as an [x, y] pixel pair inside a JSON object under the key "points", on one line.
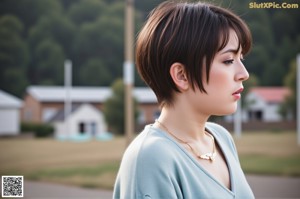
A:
{"points": [[274, 187], [263, 187], [42, 190]]}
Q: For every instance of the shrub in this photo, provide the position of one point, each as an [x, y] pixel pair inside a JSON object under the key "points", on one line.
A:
{"points": [[39, 130], [114, 108]]}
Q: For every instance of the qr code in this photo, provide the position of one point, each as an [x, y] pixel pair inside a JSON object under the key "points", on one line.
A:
{"points": [[12, 186]]}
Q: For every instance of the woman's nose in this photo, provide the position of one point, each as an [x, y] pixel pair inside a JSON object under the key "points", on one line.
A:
{"points": [[242, 73]]}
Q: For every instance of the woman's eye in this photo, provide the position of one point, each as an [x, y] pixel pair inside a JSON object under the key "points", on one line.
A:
{"points": [[227, 62]]}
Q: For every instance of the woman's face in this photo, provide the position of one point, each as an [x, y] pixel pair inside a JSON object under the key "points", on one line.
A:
{"points": [[226, 76]]}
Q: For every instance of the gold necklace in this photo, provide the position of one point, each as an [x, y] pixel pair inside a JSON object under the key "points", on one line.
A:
{"points": [[207, 156]]}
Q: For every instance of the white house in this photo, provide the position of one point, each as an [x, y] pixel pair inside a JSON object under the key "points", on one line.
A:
{"points": [[9, 114], [41, 103], [84, 121], [263, 103]]}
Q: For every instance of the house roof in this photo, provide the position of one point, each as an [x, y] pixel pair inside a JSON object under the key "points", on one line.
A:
{"points": [[60, 115], [86, 94], [271, 94], [78, 94], [144, 95], [8, 100]]}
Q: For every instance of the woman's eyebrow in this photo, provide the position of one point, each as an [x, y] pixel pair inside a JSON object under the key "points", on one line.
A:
{"points": [[234, 51]]}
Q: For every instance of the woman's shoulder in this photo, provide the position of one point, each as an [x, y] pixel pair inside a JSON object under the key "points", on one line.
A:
{"points": [[220, 132], [147, 166], [223, 136], [151, 145]]}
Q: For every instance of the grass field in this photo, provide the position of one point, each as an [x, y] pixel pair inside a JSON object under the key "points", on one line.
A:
{"points": [[269, 153], [95, 164], [86, 164]]}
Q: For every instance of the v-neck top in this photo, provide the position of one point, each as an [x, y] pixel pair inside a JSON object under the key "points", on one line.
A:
{"points": [[157, 166]]}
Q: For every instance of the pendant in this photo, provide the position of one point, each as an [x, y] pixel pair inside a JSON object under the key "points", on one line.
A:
{"points": [[208, 156]]}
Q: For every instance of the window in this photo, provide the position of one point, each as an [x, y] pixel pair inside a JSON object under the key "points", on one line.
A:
{"points": [[82, 127], [141, 118], [28, 115], [156, 114], [255, 115], [48, 113], [93, 128]]}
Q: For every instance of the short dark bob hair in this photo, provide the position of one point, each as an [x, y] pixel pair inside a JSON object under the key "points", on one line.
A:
{"points": [[187, 33]]}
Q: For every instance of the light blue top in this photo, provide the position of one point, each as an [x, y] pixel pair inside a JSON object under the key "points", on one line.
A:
{"points": [[156, 166]]}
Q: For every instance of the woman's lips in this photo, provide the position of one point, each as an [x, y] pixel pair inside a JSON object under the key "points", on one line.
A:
{"points": [[237, 94]]}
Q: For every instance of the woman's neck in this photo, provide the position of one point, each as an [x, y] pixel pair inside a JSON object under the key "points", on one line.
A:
{"points": [[184, 123]]}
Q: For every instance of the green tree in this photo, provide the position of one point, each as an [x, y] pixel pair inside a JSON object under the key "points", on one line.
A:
{"points": [[13, 55], [86, 30], [86, 11], [50, 58], [14, 82], [251, 82], [30, 11], [290, 81], [145, 6], [56, 27], [257, 61], [95, 73], [103, 39], [114, 108], [287, 50], [260, 60], [51, 42]]}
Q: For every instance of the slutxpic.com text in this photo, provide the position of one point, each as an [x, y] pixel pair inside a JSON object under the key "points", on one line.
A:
{"points": [[273, 5]]}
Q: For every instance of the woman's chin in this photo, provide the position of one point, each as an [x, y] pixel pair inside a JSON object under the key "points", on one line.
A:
{"points": [[227, 111]]}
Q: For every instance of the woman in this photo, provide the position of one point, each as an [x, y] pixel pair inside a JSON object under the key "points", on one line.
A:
{"points": [[191, 55]]}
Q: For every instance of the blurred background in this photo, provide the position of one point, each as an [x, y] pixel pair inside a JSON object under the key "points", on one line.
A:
{"points": [[37, 37]]}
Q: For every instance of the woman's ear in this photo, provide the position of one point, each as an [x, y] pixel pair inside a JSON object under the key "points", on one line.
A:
{"points": [[178, 74]]}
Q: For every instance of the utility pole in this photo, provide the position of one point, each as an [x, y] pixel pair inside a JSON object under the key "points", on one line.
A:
{"points": [[238, 120], [298, 98], [68, 100], [128, 70]]}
